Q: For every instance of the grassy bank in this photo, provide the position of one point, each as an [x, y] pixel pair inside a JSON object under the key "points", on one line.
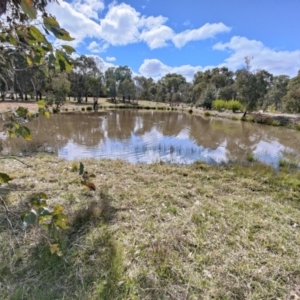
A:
{"points": [[154, 232]]}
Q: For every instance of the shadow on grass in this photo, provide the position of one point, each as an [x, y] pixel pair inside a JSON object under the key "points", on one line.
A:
{"points": [[91, 266]]}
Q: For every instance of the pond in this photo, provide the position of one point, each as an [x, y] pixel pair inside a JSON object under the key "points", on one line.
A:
{"points": [[151, 136]]}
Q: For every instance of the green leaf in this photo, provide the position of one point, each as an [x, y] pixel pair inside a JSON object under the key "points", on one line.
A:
{"points": [[12, 40], [63, 61], [4, 178], [60, 220], [28, 8], [21, 111], [69, 49], [28, 60], [38, 200], [39, 37], [54, 249], [58, 209], [44, 211], [50, 22], [61, 34], [41, 103], [28, 218], [81, 169], [44, 215], [38, 58], [11, 133], [24, 132]]}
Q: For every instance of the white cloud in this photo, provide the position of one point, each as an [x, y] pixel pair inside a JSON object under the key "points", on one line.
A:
{"points": [[206, 31], [157, 37], [120, 25], [275, 62], [78, 25], [156, 69], [153, 68], [97, 47], [110, 58], [89, 8]]}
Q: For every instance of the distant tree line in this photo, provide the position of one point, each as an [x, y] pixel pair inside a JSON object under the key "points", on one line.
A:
{"points": [[255, 89]]}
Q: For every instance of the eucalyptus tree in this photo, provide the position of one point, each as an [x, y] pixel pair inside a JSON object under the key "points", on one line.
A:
{"points": [[252, 87], [20, 36], [83, 75], [114, 77], [291, 100], [127, 89], [277, 91], [111, 82], [186, 93], [143, 86], [212, 84], [168, 87], [59, 88]]}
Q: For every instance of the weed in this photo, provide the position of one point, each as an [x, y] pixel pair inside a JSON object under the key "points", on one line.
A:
{"points": [[250, 156]]}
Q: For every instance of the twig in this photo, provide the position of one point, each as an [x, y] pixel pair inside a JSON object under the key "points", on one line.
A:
{"points": [[8, 220], [13, 157]]}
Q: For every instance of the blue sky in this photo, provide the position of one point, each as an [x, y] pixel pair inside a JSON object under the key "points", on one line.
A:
{"points": [[155, 37]]}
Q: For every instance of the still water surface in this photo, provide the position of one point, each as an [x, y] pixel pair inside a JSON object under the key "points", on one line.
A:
{"points": [[148, 137]]}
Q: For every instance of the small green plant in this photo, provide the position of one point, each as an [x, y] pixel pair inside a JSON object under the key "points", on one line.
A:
{"points": [[276, 123], [89, 108], [39, 215], [271, 108], [190, 111], [82, 108], [297, 126], [207, 113], [74, 167], [250, 156]]}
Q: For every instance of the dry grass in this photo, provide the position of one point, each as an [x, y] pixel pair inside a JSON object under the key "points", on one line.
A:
{"points": [[155, 231]]}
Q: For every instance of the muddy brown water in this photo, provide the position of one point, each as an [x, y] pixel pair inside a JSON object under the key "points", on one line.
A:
{"points": [[151, 136]]}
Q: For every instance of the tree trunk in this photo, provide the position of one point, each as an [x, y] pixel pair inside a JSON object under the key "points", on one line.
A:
{"points": [[6, 88]]}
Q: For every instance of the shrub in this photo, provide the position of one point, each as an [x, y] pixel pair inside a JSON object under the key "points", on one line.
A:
{"points": [[219, 104], [89, 108], [190, 111], [82, 108], [234, 105]]}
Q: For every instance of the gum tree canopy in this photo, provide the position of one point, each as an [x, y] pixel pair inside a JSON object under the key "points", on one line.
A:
{"points": [[24, 25]]}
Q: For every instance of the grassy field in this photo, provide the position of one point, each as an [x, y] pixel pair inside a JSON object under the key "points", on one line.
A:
{"points": [[156, 231]]}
